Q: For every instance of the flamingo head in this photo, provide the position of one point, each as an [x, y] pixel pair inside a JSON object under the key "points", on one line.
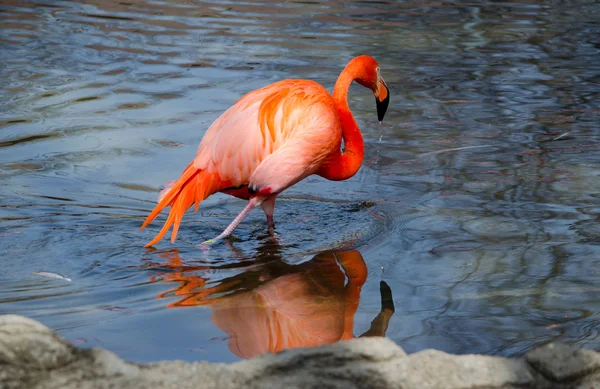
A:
{"points": [[369, 76]]}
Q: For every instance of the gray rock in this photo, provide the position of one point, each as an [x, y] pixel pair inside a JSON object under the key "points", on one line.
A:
{"points": [[34, 357], [436, 369], [560, 363]]}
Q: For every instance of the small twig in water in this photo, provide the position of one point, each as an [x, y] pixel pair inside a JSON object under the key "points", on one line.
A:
{"points": [[51, 275], [562, 135]]}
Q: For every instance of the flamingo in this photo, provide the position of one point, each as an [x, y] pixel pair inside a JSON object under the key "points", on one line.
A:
{"points": [[271, 139]]}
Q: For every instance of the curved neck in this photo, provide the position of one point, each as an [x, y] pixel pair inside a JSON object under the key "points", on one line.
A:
{"points": [[343, 165]]}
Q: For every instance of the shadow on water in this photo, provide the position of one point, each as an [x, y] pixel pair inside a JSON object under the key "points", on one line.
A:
{"points": [[272, 305], [477, 202]]}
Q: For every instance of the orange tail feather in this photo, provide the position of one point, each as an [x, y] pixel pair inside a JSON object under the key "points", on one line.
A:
{"points": [[192, 187]]}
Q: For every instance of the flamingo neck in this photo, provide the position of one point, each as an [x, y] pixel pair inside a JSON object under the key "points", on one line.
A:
{"points": [[344, 164]]}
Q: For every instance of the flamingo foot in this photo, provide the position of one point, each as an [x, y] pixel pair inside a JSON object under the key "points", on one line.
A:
{"points": [[205, 246], [210, 242]]}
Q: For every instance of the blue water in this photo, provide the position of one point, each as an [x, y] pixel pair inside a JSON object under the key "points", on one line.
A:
{"points": [[477, 203]]}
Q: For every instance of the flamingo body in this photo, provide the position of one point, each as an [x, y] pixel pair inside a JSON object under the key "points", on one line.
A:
{"points": [[266, 142], [272, 138]]}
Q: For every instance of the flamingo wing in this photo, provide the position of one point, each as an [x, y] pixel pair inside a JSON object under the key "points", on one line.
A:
{"points": [[272, 137]]}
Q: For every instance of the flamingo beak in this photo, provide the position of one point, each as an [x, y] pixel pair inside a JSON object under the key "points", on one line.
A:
{"points": [[382, 98]]}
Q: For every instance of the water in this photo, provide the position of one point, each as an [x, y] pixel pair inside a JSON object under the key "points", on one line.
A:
{"points": [[477, 203]]}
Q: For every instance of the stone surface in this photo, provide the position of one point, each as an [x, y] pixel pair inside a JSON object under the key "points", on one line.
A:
{"points": [[34, 357], [560, 363], [436, 369]]}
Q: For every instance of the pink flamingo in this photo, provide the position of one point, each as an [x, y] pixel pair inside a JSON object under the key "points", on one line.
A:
{"points": [[269, 140]]}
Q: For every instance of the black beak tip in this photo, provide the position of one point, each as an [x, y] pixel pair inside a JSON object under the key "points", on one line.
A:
{"points": [[382, 107]]}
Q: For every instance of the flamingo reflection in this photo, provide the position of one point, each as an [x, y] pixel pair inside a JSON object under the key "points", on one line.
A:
{"points": [[272, 305]]}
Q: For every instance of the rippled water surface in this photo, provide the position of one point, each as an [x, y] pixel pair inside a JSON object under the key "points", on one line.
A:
{"points": [[473, 225]]}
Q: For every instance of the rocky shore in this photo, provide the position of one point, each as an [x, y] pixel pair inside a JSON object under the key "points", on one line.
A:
{"points": [[33, 356]]}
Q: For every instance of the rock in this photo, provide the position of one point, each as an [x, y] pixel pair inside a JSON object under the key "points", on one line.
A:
{"points": [[34, 357], [29, 344], [560, 363], [436, 369]]}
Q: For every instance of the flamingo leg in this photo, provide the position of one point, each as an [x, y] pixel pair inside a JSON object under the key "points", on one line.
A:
{"points": [[253, 203], [268, 207]]}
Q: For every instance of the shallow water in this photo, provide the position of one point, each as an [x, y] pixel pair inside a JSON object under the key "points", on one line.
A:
{"points": [[477, 204]]}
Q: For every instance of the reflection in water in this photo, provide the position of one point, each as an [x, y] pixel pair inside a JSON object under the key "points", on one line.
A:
{"points": [[273, 305]]}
